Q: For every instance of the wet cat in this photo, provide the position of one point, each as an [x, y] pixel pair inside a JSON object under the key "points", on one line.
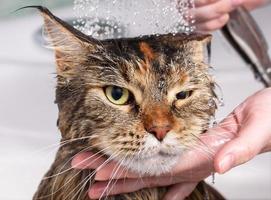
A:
{"points": [[139, 101]]}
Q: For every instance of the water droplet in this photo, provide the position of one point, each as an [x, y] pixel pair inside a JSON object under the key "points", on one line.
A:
{"points": [[221, 102], [213, 122], [268, 70], [211, 103], [213, 178], [161, 84], [257, 77]]}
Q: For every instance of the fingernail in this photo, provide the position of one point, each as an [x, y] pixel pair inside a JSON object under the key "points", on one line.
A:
{"points": [[226, 164]]}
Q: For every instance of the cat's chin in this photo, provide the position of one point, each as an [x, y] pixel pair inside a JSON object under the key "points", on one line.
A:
{"points": [[152, 166]]}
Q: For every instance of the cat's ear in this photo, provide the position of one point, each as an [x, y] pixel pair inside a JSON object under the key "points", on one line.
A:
{"points": [[201, 48], [71, 46]]}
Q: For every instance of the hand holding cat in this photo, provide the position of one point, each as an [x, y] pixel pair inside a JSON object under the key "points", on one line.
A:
{"points": [[211, 15], [246, 132]]}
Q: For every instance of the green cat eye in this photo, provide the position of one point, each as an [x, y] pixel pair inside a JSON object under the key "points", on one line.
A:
{"points": [[183, 95], [117, 95]]}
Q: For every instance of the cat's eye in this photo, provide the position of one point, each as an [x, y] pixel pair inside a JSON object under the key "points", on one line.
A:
{"points": [[183, 95], [117, 95]]}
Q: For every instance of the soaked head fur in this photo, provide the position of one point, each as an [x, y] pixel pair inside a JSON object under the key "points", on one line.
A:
{"points": [[139, 101], [167, 88]]}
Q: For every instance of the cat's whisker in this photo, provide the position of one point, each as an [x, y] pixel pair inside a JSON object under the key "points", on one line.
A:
{"points": [[202, 149], [131, 162], [55, 145], [56, 176], [86, 180], [115, 170], [87, 148], [59, 173], [197, 141], [113, 156], [78, 171], [202, 142], [195, 146], [120, 164], [81, 189]]}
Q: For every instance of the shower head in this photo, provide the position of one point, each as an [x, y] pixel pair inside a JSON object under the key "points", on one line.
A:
{"points": [[244, 34]]}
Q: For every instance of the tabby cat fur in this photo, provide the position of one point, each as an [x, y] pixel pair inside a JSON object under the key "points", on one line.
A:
{"points": [[169, 87]]}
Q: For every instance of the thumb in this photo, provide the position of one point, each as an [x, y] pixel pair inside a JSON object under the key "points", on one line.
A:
{"points": [[251, 139]]}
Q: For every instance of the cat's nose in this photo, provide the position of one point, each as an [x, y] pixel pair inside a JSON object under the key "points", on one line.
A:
{"points": [[159, 132]]}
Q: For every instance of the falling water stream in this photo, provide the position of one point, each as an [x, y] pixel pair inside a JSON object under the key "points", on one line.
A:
{"points": [[130, 18]]}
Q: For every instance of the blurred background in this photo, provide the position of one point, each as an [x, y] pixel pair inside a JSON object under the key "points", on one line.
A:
{"points": [[28, 132]]}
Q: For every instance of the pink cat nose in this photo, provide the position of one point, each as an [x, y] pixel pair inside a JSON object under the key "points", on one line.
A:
{"points": [[159, 132]]}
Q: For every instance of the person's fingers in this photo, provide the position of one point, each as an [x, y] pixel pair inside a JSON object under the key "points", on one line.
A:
{"points": [[252, 4], [180, 191], [249, 4], [213, 24], [245, 146], [129, 185], [86, 160], [199, 3], [113, 171], [215, 10], [106, 171], [121, 186]]}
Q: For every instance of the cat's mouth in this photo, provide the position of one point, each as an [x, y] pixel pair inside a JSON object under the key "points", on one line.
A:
{"points": [[162, 154], [170, 147], [155, 158]]}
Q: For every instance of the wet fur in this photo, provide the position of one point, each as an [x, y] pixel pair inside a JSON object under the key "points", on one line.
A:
{"points": [[153, 68]]}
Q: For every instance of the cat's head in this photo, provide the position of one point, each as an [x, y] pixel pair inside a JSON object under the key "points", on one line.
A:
{"points": [[141, 101]]}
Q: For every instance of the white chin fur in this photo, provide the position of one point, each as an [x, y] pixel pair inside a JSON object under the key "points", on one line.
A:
{"points": [[155, 158], [153, 166]]}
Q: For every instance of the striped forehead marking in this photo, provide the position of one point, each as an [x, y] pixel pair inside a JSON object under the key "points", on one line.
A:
{"points": [[147, 51]]}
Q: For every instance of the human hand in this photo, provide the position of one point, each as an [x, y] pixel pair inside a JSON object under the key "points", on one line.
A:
{"points": [[239, 130], [113, 179], [251, 132], [211, 15]]}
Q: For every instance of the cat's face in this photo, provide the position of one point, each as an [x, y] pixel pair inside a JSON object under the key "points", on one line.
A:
{"points": [[140, 101]]}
